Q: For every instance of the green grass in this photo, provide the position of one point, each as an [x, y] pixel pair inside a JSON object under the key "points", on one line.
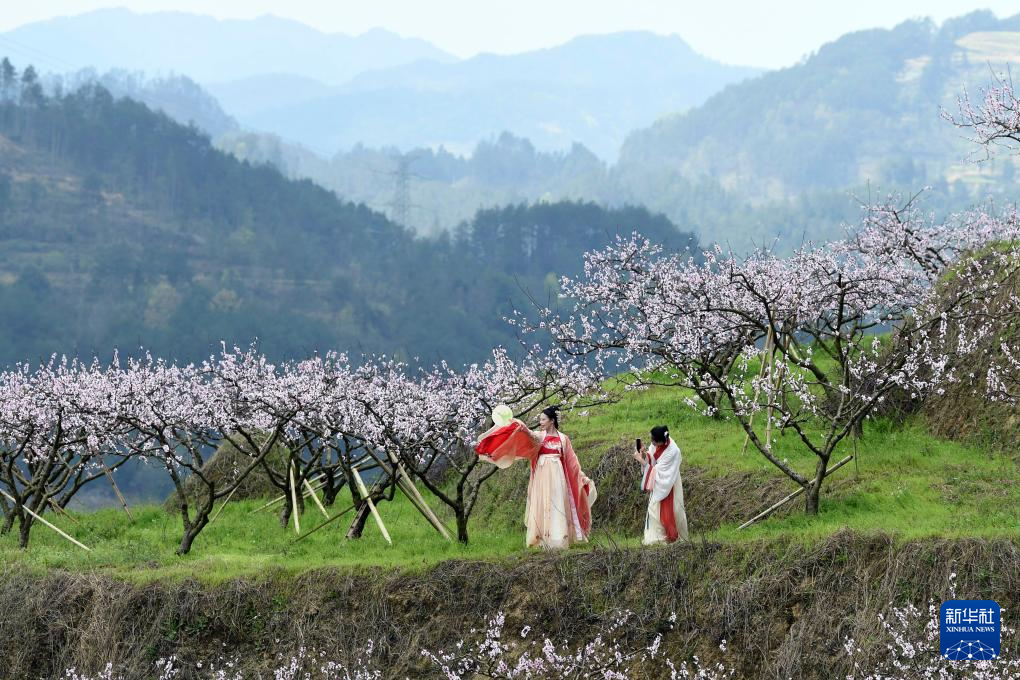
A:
{"points": [[906, 483], [240, 542]]}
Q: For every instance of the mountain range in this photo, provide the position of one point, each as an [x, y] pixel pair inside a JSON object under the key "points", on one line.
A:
{"points": [[206, 49], [121, 228], [863, 109], [592, 90], [330, 92], [782, 154]]}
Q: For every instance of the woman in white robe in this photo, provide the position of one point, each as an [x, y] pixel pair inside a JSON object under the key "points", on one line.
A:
{"points": [[666, 519]]}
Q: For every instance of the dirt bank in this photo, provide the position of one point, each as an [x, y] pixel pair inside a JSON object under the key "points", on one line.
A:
{"points": [[784, 609]]}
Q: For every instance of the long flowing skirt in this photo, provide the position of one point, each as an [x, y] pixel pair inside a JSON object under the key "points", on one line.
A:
{"points": [[654, 531], [549, 513]]}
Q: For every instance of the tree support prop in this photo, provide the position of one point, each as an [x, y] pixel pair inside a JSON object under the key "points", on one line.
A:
{"points": [[371, 506], [51, 526], [772, 508]]}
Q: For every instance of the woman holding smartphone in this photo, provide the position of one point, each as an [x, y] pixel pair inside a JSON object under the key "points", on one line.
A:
{"points": [[666, 520]]}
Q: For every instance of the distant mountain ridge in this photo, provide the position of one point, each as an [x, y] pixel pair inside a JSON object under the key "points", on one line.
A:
{"points": [[864, 108], [330, 92], [788, 155], [179, 97], [591, 90], [217, 50]]}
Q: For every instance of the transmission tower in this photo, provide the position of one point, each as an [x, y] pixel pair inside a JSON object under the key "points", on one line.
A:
{"points": [[400, 208]]}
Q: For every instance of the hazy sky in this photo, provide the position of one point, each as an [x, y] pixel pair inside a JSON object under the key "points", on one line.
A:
{"points": [[757, 33]]}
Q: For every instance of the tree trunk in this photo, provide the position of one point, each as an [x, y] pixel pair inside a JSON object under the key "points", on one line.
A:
{"points": [[8, 523], [189, 537], [287, 510], [358, 525], [811, 493], [191, 532], [330, 489], [24, 531], [462, 522], [814, 489]]}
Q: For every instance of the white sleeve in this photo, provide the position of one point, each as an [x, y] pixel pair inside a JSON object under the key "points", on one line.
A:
{"points": [[667, 469]]}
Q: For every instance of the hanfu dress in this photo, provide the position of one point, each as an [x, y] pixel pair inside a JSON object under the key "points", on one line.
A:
{"points": [[558, 508], [666, 520]]}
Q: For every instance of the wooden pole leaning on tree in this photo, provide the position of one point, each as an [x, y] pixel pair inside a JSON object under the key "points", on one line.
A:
{"points": [[418, 501], [61, 511], [226, 500], [116, 490], [775, 506], [311, 492], [371, 506], [293, 498], [407, 485], [334, 517], [319, 526], [316, 484], [51, 526]]}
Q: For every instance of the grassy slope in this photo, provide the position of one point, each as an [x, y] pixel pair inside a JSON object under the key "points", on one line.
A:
{"points": [[907, 483]]}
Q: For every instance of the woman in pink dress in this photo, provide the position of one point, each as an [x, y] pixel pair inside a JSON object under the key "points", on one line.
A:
{"points": [[560, 495]]}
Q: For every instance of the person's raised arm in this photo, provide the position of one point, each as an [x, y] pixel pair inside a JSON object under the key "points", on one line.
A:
{"points": [[535, 435]]}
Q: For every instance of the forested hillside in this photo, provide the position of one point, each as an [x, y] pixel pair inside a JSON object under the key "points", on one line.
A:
{"points": [[864, 108], [788, 155], [120, 228]]}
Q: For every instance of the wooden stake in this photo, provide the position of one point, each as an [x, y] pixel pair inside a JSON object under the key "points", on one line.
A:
{"points": [[315, 498], [293, 498], [317, 485], [116, 490], [406, 484], [304, 494], [51, 526], [227, 500], [331, 519], [426, 512], [424, 508], [775, 506], [61, 511], [371, 506]]}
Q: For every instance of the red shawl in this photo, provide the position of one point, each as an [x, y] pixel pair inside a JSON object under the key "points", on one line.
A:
{"points": [[667, 513], [503, 445]]}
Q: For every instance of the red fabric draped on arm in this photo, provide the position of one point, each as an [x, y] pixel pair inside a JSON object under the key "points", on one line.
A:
{"points": [[508, 443]]}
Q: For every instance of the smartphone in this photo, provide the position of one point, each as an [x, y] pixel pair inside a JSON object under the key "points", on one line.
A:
{"points": [[637, 444]]}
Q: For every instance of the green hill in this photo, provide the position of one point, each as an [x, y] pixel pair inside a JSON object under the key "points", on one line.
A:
{"points": [[121, 228], [786, 155], [864, 108]]}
